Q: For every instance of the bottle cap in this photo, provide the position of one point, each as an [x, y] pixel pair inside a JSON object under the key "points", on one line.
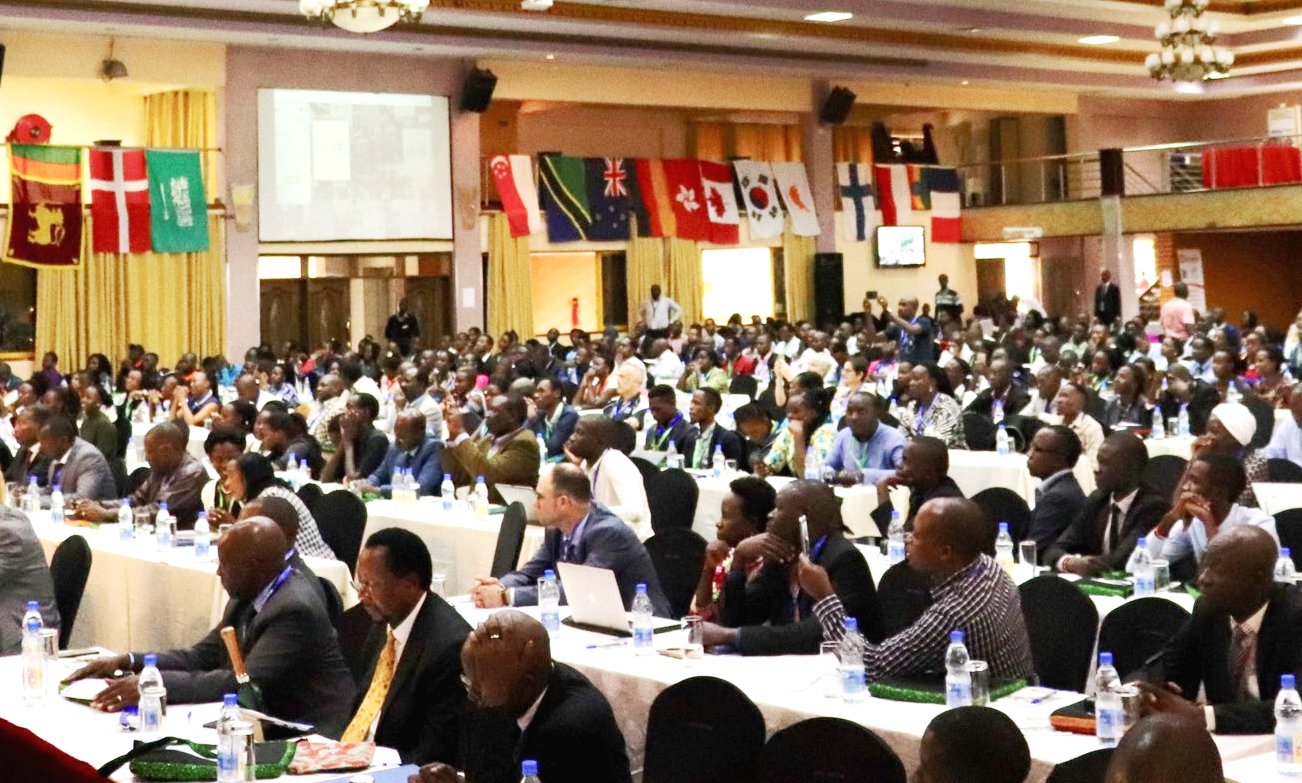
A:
{"points": [[1142, 542], [57, 488], [956, 636], [201, 515], [529, 768], [549, 574], [851, 624], [447, 476], [125, 502], [162, 506], [231, 700], [151, 659], [1285, 552], [33, 606], [1105, 659], [641, 588], [479, 479], [1288, 681], [1003, 527]]}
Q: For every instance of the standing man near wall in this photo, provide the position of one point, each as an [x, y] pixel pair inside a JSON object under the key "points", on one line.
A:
{"points": [[658, 313], [947, 300], [402, 327], [1107, 300]]}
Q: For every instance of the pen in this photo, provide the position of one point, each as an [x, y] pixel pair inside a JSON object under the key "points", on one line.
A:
{"points": [[619, 643]]}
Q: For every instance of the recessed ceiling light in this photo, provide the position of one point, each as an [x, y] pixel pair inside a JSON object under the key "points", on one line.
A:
{"points": [[830, 16], [972, 30], [1099, 40], [550, 57], [965, 82], [1293, 20]]}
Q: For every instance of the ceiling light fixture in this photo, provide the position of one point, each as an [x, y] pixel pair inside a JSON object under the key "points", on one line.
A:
{"points": [[1292, 20], [1099, 40], [363, 16], [1188, 53], [830, 16]]}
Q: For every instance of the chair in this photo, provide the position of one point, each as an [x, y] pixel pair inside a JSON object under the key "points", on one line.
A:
{"points": [[1264, 413], [334, 603], [702, 730], [1137, 630], [1004, 505], [568, 390], [1288, 526], [341, 517], [1163, 473], [801, 754], [138, 476], [645, 468], [744, 384], [677, 554], [354, 628], [903, 594], [979, 431], [1060, 622], [1283, 470], [1089, 768], [510, 539], [69, 569], [672, 495], [310, 493]]}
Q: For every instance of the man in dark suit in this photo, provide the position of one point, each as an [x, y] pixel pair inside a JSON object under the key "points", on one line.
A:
{"points": [[555, 419], [578, 531], [1051, 457], [1004, 389], [664, 423], [758, 615], [29, 461], [709, 435], [24, 577], [289, 647], [925, 471], [413, 449], [76, 466], [1107, 300], [1114, 516], [528, 707], [1245, 632], [1182, 388], [414, 699]]}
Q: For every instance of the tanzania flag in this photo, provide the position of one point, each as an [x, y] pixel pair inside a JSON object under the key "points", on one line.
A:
{"points": [[608, 197], [564, 198], [44, 226], [177, 211]]}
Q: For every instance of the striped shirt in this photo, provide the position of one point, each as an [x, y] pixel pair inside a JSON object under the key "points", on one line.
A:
{"points": [[981, 600], [309, 542], [943, 418]]}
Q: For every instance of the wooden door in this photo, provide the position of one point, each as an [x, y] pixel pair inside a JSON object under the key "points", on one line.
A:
{"points": [[282, 312], [990, 279], [430, 300], [327, 309]]}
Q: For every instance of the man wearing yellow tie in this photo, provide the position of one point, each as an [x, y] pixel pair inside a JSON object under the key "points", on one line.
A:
{"points": [[413, 696]]}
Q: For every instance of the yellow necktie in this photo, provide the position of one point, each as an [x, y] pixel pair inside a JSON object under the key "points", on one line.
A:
{"points": [[375, 695]]}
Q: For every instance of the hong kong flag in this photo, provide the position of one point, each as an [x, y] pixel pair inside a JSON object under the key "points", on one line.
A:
{"points": [[119, 201]]}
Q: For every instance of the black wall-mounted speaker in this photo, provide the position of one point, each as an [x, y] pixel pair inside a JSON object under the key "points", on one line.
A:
{"points": [[477, 92], [836, 109]]}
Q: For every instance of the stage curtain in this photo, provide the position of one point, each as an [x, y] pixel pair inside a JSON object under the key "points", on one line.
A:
{"points": [[509, 299], [644, 267], [685, 278], [708, 140], [185, 118], [754, 140], [798, 272], [851, 144]]}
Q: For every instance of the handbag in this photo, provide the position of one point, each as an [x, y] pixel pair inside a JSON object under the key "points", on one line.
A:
{"points": [[176, 759]]}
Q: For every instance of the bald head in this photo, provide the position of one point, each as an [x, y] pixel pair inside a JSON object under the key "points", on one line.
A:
{"points": [[1166, 748], [507, 660], [1238, 572], [250, 556], [817, 503], [962, 525], [276, 509]]}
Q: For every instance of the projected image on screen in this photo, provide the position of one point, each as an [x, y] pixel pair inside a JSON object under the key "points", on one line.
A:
{"points": [[900, 246], [352, 166]]}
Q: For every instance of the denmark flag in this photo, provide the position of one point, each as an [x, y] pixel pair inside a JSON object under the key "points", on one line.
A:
{"points": [[119, 201]]}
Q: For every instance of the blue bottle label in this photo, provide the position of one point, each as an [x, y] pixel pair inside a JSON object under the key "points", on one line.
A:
{"points": [[642, 637]]}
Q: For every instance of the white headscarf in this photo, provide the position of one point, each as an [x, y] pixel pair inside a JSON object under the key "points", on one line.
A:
{"points": [[1238, 420]]}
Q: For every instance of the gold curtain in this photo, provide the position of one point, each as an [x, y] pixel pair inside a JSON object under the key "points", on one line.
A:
{"points": [[798, 273], [851, 144], [188, 119], [707, 140], [508, 298], [644, 266], [685, 277], [756, 140]]}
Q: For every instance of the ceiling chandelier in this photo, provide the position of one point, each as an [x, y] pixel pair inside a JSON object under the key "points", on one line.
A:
{"points": [[1189, 52], [363, 16]]}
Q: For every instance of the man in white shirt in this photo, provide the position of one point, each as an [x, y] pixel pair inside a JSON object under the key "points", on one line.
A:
{"points": [[1071, 407], [816, 357], [1206, 508], [1044, 398], [616, 481], [665, 364], [658, 312]]}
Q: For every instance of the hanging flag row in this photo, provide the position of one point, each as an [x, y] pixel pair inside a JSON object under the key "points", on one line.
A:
{"points": [[901, 191], [141, 200]]}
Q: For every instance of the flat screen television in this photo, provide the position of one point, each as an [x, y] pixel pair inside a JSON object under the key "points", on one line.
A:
{"points": [[900, 246]]}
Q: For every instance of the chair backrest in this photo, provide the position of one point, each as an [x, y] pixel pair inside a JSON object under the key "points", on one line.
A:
{"points": [[1061, 623], [1284, 470], [69, 569], [677, 554], [334, 603], [510, 539], [1288, 526], [903, 594], [310, 493], [800, 754], [137, 477], [702, 730], [645, 468], [1163, 472], [672, 496], [341, 518], [1264, 413], [1089, 768], [1137, 630], [744, 384], [979, 431], [1004, 505]]}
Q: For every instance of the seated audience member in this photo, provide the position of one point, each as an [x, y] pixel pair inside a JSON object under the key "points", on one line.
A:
{"points": [[175, 478], [743, 513], [248, 388], [96, 429], [1114, 516], [283, 513], [363, 447], [196, 403], [578, 531], [1071, 408], [1166, 749], [75, 465], [524, 705], [1198, 396], [222, 446], [853, 372], [24, 576], [1230, 429], [664, 423], [630, 383], [1051, 458], [972, 745], [1204, 508], [865, 450], [331, 399], [413, 449], [704, 372], [924, 469], [971, 592], [710, 436], [1286, 441], [284, 437], [29, 462], [809, 432], [1245, 632], [616, 482], [756, 428], [1199, 363], [665, 366], [555, 419], [758, 613], [251, 476], [415, 698], [1044, 397], [507, 454], [1130, 405], [289, 647], [597, 385], [1012, 398], [932, 411], [238, 415]]}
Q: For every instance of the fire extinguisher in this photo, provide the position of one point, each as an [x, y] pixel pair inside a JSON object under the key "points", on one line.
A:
{"points": [[574, 313]]}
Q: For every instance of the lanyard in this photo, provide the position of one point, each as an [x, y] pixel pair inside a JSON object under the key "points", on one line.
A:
{"points": [[663, 431], [861, 459], [703, 443]]}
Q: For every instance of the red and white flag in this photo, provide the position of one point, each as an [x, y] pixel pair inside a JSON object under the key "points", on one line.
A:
{"points": [[793, 186], [720, 203], [513, 175], [687, 199], [894, 196], [119, 201]]}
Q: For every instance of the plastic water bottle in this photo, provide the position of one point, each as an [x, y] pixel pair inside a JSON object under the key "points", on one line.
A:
{"points": [[1004, 548], [126, 520], [1182, 421], [542, 450], [854, 686], [163, 524], [481, 497], [153, 696], [958, 680], [1108, 719], [202, 537], [1158, 431], [229, 768], [813, 468], [448, 491], [33, 656], [1284, 570], [895, 539], [291, 469], [1002, 444], [32, 498], [401, 490], [718, 464], [56, 504], [413, 487], [549, 600], [1142, 562], [1288, 728], [672, 458], [997, 412], [1232, 394], [894, 409], [643, 643], [529, 772]]}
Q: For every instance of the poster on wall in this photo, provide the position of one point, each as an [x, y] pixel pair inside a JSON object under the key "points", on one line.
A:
{"points": [[1191, 274]]}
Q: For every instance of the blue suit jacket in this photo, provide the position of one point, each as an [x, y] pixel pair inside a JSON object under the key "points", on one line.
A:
{"points": [[605, 541], [426, 466], [564, 428]]}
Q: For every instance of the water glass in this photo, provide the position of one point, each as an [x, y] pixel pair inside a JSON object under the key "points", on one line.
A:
{"points": [[438, 584], [144, 522], [829, 662], [979, 671], [1161, 575], [1130, 707], [731, 465], [693, 638], [1028, 557], [49, 638]]}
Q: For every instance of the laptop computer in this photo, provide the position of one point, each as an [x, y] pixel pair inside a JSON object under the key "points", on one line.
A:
{"points": [[525, 496], [595, 603]]}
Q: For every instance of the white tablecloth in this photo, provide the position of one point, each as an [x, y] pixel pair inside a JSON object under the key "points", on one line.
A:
{"points": [[1179, 447], [1276, 497]]}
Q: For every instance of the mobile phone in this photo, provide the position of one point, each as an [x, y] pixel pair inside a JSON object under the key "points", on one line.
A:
{"points": [[804, 535], [871, 295]]}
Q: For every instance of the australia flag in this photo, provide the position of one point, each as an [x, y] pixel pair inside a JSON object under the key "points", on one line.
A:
{"points": [[608, 184]]}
